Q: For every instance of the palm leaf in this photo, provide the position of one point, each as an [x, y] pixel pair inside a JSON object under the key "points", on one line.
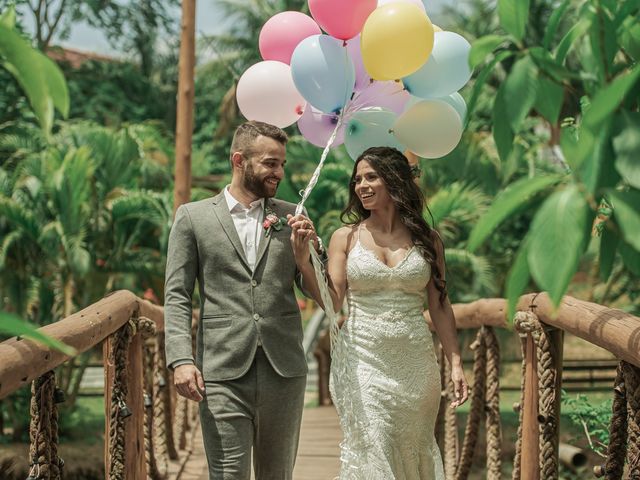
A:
{"points": [[467, 265], [9, 240], [19, 217], [138, 206]]}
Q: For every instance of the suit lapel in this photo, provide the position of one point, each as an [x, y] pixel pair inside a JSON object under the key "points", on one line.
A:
{"points": [[264, 239], [221, 210]]}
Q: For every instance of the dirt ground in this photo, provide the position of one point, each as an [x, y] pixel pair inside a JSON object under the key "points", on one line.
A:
{"points": [[83, 461]]}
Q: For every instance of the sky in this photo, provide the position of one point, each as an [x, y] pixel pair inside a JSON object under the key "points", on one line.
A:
{"points": [[209, 20]]}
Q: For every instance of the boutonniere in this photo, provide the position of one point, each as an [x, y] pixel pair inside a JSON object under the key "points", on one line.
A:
{"points": [[272, 221]]}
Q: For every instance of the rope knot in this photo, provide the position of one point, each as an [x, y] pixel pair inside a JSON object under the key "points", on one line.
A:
{"points": [[146, 327], [526, 322]]}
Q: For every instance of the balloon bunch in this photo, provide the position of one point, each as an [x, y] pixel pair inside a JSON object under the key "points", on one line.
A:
{"points": [[381, 75]]}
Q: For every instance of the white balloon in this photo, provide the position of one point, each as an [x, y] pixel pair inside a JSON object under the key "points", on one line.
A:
{"points": [[266, 92], [430, 129], [455, 100]]}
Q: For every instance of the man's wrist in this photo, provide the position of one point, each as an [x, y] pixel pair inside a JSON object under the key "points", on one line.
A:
{"points": [[179, 363]]}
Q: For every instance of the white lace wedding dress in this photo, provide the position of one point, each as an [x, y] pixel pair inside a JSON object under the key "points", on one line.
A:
{"points": [[385, 380]]}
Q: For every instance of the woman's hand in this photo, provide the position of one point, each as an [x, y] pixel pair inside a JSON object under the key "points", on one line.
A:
{"points": [[460, 386], [302, 232]]}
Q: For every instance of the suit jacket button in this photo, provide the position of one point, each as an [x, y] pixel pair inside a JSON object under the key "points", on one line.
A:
{"points": [[254, 283], [256, 317]]}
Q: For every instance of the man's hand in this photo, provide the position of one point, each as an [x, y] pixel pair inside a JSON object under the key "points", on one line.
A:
{"points": [[189, 382]]}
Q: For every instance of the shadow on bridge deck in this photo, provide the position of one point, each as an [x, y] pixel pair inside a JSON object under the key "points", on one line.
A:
{"points": [[318, 455]]}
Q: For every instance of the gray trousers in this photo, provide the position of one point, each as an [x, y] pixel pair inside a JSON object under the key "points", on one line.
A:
{"points": [[260, 411]]}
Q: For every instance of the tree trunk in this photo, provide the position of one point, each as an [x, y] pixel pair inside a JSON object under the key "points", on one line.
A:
{"points": [[184, 117]]}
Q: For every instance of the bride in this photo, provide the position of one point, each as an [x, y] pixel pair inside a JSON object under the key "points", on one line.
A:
{"points": [[385, 380]]}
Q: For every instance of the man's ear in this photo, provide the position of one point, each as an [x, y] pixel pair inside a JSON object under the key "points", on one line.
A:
{"points": [[237, 160]]}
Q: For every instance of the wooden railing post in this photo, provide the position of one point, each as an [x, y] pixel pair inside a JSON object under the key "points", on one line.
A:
{"points": [[530, 469], [135, 465]]}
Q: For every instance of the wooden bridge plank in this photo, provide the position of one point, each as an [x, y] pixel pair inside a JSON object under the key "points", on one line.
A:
{"points": [[318, 454]]}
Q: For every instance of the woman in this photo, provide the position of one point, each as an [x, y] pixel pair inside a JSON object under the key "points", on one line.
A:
{"points": [[385, 379]]}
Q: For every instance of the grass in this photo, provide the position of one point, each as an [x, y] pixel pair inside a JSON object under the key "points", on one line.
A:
{"points": [[85, 422]]}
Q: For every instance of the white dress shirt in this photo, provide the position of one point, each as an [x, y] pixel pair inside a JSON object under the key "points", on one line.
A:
{"points": [[248, 223]]}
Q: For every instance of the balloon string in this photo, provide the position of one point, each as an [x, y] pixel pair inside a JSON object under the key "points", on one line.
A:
{"points": [[316, 173], [354, 105]]}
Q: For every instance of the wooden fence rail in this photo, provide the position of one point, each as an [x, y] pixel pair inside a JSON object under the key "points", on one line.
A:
{"points": [[140, 404], [140, 410]]}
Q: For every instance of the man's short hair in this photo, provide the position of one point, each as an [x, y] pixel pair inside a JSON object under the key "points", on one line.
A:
{"points": [[247, 133]]}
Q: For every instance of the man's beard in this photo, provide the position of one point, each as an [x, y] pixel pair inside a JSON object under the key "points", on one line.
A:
{"points": [[255, 184]]}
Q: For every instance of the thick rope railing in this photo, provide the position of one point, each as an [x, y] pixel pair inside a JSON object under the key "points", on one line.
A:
{"points": [[118, 408], [624, 428], [527, 323], [485, 402], [43, 431], [147, 329], [548, 416], [632, 386], [493, 425], [476, 408], [160, 437], [517, 464]]}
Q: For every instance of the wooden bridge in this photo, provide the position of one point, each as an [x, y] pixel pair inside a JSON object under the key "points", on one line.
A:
{"points": [[151, 433], [318, 453]]}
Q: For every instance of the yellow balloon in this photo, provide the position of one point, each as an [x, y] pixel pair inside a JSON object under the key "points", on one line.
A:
{"points": [[396, 41], [436, 28]]}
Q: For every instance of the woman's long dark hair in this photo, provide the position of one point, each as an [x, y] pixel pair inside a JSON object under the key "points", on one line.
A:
{"points": [[396, 173]]}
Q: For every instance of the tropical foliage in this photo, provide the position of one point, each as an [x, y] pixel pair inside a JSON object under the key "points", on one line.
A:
{"points": [[580, 80]]}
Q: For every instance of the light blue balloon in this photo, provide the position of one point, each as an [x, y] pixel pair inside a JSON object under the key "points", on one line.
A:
{"points": [[323, 72], [445, 72], [455, 100], [370, 127]]}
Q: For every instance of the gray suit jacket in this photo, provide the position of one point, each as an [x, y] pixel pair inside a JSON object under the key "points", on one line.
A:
{"points": [[237, 306]]}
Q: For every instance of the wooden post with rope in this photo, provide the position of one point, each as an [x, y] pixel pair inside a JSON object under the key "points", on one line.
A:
{"points": [[530, 450], [556, 337], [128, 355]]}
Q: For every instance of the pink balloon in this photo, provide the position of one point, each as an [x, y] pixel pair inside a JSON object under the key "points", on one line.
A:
{"points": [[362, 77], [283, 32], [389, 95], [417, 3], [342, 19], [266, 92], [317, 127]]}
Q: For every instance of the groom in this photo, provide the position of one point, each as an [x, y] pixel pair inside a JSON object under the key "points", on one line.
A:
{"points": [[249, 373]]}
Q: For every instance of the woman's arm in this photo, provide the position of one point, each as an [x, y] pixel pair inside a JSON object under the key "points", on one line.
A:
{"points": [[445, 325], [336, 266]]}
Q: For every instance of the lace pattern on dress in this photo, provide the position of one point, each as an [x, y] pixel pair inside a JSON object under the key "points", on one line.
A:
{"points": [[385, 380]]}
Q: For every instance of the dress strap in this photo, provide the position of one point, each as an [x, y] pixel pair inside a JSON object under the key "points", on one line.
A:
{"points": [[358, 235]]}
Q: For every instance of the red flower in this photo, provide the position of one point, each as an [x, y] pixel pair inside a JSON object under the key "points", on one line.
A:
{"points": [[273, 218]]}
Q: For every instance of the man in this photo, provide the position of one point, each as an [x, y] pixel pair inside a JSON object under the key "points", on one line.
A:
{"points": [[249, 373]]}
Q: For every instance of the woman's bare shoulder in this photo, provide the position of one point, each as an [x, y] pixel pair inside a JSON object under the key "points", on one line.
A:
{"points": [[342, 236]]}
